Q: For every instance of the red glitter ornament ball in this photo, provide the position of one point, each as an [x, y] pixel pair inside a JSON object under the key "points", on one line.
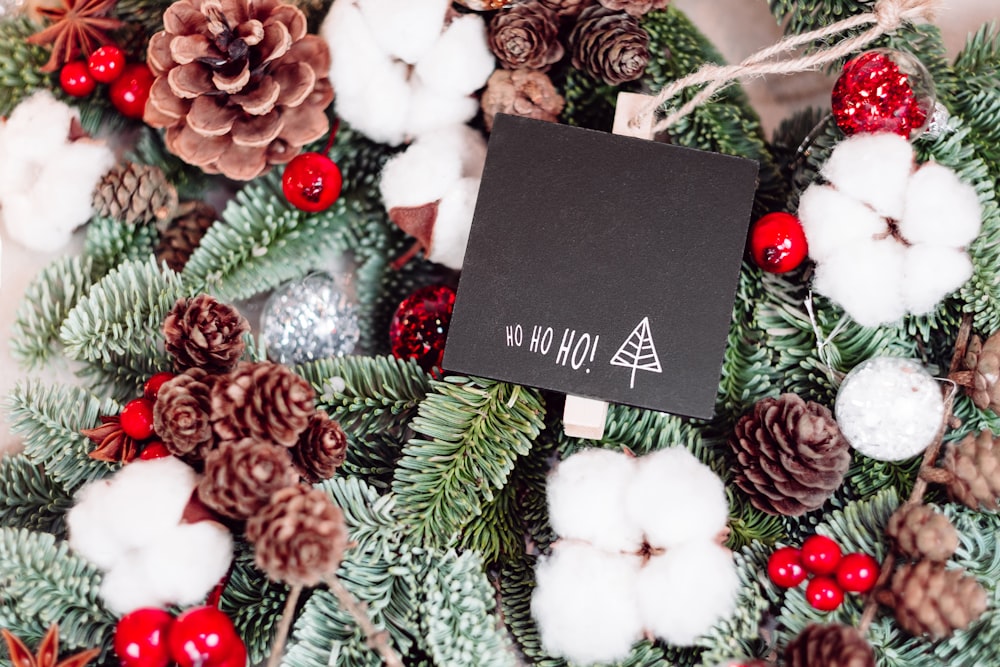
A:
{"points": [[857, 573], [204, 637], [820, 555], [784, 567], [311, 182], [420, 326], [883, 91], [141, 638], [777, 242], [130, 91], [824, 594]]}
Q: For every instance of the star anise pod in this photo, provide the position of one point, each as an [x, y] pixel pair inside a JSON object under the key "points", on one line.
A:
{"points": [[77, 27], [48, 652], [113, 445]]}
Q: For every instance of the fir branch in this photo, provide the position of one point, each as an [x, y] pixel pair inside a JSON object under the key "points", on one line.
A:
{"points": [[190, 181], [29, 498], [517, 583], [52, 438], [254, 603], [868, 476], [496, 533], [372, 458], [20, 63], [121, 376], [474, 430], [368, 515], [109, 243]]}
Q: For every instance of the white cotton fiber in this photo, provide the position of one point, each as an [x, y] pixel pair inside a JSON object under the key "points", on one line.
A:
{"points": [[584, 603], [189, 560], [38, 126], [404, 29], [676, 498], [381, 111], [940, 208], [431, 110], [460, 61], [129, 586], [866, 280], [423, 173], [454, 220], [685, 592], [831, 220], [87, 523], [147, 498], [930, 273], [874, 169], [587, 499]]}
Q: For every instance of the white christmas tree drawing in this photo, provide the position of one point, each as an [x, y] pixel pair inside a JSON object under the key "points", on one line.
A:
{"points": [[638, 352]]}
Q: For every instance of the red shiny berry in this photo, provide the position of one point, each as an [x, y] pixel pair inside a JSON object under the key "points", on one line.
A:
{"points": [[857, 573], [238, 658], [311, 182], [824, 594], [152, 387], [203, 637], [106, 63], [785, 567], [820, 554], [154, 450], [130, 91], [141, 638], [76, 79], [420, 325], [777, 242], [882, 91], [137, 418]]}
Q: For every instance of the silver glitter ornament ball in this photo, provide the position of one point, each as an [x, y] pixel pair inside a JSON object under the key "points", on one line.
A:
{"points": [[312, 318], [889, 408]]}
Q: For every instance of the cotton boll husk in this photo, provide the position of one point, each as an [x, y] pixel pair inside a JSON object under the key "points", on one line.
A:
{"points": [[685, 592], [189, 560], [405, 29], [940, 208], [432, 110], [87, 522], [423, 173], [454, 220], [460, 61], [866, 280], [831, 220], [874, 169], [932, 272], [129, 586], [584, 603], [587, 494], [148, 498]]}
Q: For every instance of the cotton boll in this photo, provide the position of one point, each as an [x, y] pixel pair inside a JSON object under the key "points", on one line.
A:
{"points": [[930, 273], [431, 110], [129, 586], [37, 127], [874, 169], [454, 220], [148, 497], [584, 603], [679, 606], [423, 173], [587, 494], [866, 280], [381, 110], [188, 561], [940, 208], [460, 61], [460, 140], [676, 498], [87, 523], [405, 29], [831, 220]]}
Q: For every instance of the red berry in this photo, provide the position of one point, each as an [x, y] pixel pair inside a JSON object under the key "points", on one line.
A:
{"points": [[152, 387], [419, 327], [785, 567], [857, 573], [141, 638], [76, 80], [820, 554], [106, 63], [824, 594], [238, 658], [137, 418], [130, 91], [154, 450], [203, 637], [777, 242], [311, 182]]}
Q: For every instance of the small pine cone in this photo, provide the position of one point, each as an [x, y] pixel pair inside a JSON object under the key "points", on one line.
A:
{"points": [[609, 45], [929, 599], [635, 8], [181, 414], [182, 235], [974, 467], [566, 8], [135, 194], [299, 537], [521, 92], [983, 360], [241, 475], [526, 35], [321, 449], [203, 333], [919, 532], [830, 645], [264, 401], [791, 453]]}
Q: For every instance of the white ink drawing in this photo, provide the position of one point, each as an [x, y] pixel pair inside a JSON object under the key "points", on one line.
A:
{"points": [[638, 352]]}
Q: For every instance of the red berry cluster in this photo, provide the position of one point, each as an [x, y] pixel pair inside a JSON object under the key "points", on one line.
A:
{"points": [[137, 418], [833, 573], [129, 83], [200, 637]]}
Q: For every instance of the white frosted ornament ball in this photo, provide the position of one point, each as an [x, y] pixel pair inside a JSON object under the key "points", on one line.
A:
{"points": [[889, 408]]}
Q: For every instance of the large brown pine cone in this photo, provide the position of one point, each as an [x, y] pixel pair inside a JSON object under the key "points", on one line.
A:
{"points": [[830, 645], [974, 467], [264, 401], [919, 532], [566, 8], [521, 92], [299, 537], [526, 35], [929, 599], [983, 361], [635, 7], [321, 449], [181, 414], [203, 333], [791, 453], [180, 238], [239, 85], [241, 475], [135, 194], [609, 45]]}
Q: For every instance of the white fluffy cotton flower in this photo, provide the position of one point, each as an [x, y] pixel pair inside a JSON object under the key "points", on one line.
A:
{"points": [[47, 176], [888, 238]]}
